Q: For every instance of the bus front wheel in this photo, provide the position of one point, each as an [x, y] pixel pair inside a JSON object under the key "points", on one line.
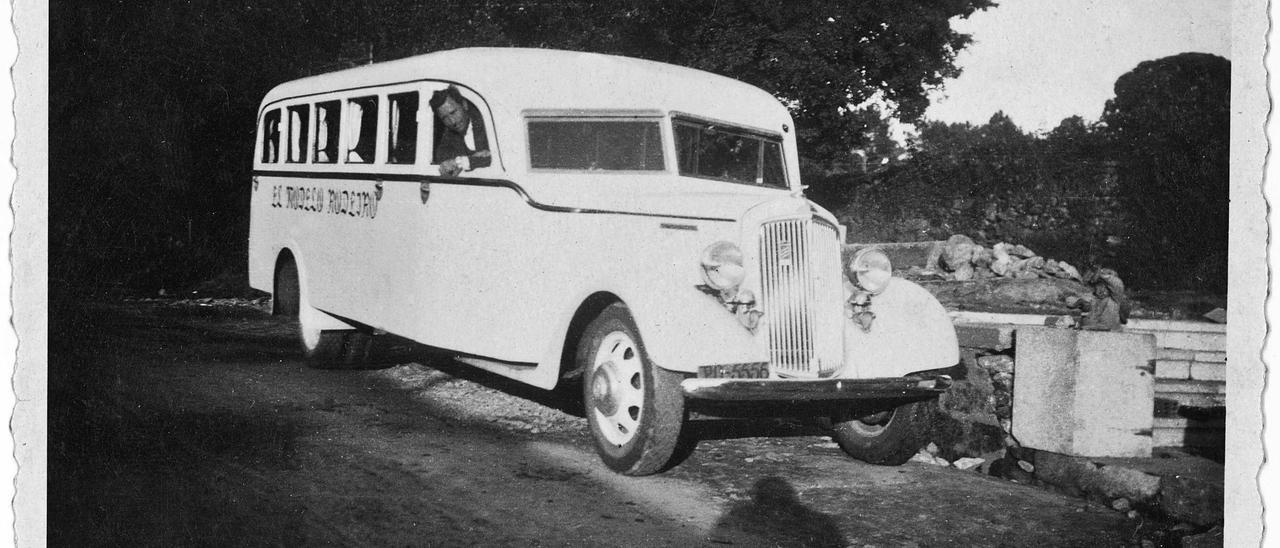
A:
{"points": [[889, 437], [635, 409]]}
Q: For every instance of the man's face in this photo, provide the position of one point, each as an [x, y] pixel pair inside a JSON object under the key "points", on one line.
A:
{"points": [[453, 115]]}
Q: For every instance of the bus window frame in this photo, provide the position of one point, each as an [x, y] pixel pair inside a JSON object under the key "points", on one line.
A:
{"points": [[417, 118], [315, 139], [308, 125], [344, 142], [425, 145], [428, 125], [260, 147]]}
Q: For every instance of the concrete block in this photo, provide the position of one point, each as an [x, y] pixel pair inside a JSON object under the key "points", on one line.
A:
{"points": [[986, 337], [1171, 386], [1192, 399], [1175, 354], [1173, 369], [1188, 432], [1046, 320], [1202, 371], [1211, 342], [1084, 393], [1188, 437], [1138, 324], [1213, 357], [1218, 423]]}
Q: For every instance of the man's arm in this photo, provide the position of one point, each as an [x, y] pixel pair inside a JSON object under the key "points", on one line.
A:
{"points": [[481, 157]]}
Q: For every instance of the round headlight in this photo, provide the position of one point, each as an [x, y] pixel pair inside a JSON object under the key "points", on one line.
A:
{"points": [[871, 270], [722, 265]]}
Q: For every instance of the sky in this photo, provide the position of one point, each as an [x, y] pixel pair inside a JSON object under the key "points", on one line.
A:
{"points": [[1040, 61]]}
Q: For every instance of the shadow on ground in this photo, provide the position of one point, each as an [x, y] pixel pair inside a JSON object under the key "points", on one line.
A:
{"points": [[775, 516]]}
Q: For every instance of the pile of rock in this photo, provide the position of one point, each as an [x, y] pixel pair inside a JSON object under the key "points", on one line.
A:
{"points": [[932, 454], [961, 259], [999, 367]]}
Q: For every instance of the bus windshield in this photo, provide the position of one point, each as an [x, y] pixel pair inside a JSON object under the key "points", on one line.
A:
{"points": [[730, 154]]}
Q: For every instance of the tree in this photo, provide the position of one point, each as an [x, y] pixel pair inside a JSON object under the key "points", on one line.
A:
{"points": [[1169, 125], [152, 103], [818, 56]]}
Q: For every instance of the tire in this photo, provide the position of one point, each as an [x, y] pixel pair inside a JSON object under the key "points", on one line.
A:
{"points": [[635, 409], [887, 438], [343, 349], [322, 349], [284, 300]]}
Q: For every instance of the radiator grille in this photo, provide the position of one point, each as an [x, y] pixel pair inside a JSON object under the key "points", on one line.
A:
{"points": [[801, 297]]}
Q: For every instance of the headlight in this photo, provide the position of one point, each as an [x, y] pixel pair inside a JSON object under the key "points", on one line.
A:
{"points": [[871, 270], [722, 266]]}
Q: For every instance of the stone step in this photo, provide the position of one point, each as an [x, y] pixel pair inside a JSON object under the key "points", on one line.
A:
{"points": [[1190, 355], [1136, 324], [1188, 437], [1187, 340], [1217, 423], [1192, 399], [1175, 386]]}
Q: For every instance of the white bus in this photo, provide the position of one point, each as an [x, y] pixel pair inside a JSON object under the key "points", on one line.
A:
{"points": [[556, 216]]}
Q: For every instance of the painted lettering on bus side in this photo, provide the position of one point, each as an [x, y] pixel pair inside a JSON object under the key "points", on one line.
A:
{"points": [[354, 204], [321, 200]]}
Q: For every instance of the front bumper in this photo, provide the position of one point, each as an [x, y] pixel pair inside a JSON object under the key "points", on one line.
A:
{"points": [[824, 390]]}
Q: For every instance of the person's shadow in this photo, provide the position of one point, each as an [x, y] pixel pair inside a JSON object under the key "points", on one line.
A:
{"points": [[775, 517]]}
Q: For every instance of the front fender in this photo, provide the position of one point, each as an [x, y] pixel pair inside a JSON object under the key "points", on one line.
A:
{"points": [[911, 332], [683, 328]]}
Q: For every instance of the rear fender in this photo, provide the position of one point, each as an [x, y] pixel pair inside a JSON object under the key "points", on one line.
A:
{"points": [[308, 315]]}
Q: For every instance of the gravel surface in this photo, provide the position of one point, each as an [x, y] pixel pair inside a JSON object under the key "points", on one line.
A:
{"points": [[196, 423]]}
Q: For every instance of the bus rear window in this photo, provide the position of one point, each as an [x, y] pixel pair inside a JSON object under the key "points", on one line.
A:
{"points": [[362, 129], [610, 145], [299, 120], [328, 125], [271, 137]]}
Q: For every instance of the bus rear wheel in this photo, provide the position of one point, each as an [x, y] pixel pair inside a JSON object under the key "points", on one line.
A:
{"points": [[322, 348]]}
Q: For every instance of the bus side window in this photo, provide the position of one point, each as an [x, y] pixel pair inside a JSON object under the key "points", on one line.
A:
{"points": [[328, 122], [402, 132], [362, 129], [299, 119], [271, 137]]}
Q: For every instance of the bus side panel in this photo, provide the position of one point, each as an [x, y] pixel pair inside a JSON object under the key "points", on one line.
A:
{"points": [[357, 240], [265, 236], [478, 270], [497, 273], [530, 270]]}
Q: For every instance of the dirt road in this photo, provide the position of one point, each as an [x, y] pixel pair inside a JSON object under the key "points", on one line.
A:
{"points": [[198, 424]]}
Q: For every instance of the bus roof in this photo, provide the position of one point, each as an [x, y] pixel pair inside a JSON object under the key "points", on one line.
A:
{"points": [[517, 79]]}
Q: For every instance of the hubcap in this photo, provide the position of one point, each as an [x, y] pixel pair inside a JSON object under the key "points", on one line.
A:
{"points": [[617, 388], [602, 389]]}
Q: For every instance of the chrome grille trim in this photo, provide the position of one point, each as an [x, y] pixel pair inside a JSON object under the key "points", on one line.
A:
{"points": [[801, 297]]}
